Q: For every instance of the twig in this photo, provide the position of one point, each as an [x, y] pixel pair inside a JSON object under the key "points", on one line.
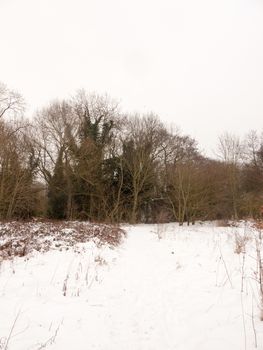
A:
{"points": [[11, 330], [51, 340], [253, 326], [242, 278], [228, 276], [244, 323]]}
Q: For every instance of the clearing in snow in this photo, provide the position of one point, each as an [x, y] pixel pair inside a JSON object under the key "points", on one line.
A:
{"points": [[164, 288]]}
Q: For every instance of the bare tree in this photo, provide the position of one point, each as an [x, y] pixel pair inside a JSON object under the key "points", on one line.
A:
{"points": [[56, 126], [252, 174], [180, 158], [17, 170], [11, 102], [230, 150], [141, 151]]}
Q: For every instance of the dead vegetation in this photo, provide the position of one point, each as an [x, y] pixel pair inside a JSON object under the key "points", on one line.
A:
{"points": [[223, 223], [259, 259], [241, 241], [22, 238]]}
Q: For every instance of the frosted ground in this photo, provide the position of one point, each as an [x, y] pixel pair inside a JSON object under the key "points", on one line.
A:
{"points": [[164, 288]]}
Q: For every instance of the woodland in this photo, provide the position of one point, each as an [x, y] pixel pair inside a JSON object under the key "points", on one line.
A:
{"points": [[82, 158]]}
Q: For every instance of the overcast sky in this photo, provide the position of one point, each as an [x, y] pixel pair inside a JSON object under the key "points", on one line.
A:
{"points": [[198, 64]]}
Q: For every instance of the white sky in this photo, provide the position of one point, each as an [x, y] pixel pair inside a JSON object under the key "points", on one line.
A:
{"points": [[198, 64]]}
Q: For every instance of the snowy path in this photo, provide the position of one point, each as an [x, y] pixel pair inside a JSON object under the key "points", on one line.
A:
{"points": [[159, 295]]}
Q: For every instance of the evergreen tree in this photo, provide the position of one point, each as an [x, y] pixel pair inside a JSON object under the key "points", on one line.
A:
{"points": [[57, 195]]}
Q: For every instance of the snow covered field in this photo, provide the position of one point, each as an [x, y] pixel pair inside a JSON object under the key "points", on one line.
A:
{"points": [[186, 291]]}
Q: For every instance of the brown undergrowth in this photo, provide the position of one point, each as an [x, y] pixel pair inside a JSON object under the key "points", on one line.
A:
{"points": [[22, 238]]}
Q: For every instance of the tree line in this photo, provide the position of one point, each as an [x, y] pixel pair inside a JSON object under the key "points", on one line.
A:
{"points": [[83, 159]]}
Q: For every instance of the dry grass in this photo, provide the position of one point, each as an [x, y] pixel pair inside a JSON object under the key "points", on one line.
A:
{"points": [[241, 241], [259, 271]]}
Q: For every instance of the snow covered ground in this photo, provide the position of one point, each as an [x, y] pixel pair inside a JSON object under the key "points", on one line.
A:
{"points": [[186, 291]]}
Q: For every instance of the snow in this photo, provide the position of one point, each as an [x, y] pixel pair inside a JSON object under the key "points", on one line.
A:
{"points": [[183, 291]]}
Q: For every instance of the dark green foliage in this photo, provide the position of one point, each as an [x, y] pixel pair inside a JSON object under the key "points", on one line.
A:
{"points": [[57, 191]]}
